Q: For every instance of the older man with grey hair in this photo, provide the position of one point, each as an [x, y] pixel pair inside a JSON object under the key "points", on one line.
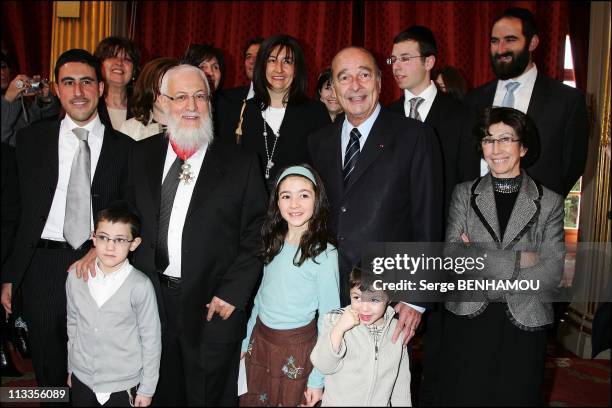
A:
{"points": [[202, 206]]}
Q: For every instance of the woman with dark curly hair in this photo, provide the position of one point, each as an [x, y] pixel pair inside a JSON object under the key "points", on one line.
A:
{"points": [[300, 280], [120, 59], [276, 122], [494, 341]]}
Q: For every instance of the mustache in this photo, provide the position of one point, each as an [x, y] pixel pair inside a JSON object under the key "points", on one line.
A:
{"points": [[505, 54], [79, 100]]}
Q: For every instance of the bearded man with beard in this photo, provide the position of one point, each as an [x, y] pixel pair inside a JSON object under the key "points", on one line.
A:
{"points": [[558, 110], [202, 206]]}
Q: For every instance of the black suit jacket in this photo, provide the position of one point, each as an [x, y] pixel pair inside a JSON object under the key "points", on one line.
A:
{"points": [[221, 236], [451, 120], [299, 121], [560, 115], [37, 169], [10, 199], [237, 94], [394, 193]]}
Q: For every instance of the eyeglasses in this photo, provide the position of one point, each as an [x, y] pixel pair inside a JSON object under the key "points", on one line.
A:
{"points": [[402, 58], [504, 141], [183, 98], [117, 241]]}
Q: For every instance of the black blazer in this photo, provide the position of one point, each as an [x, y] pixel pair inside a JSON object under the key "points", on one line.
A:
{"points": [[299, 121], [237, 94], [451, 120], [104, 115], [37, 168], [221, 236], [560, 115], [394, 193], [10, 199]]}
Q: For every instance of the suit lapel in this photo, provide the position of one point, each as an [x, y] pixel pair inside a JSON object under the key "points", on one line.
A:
{"points": [[106, 154], [373, 148], [211, 173], [332, 156], [522, 216], [156, 158], [483, 203], [435, 110], [50, 157], [538, 100]]}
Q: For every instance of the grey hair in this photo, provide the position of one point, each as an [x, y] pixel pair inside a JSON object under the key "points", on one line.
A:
{"points": [[163, 88]]}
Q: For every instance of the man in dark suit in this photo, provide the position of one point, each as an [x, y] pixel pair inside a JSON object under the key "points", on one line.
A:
{"points": [[241, 93], [382, 172], [558, 110], [65, 169], [412, 59], [202, 206]]}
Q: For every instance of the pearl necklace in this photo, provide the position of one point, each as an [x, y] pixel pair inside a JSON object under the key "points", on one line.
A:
{"points": [[269, 156]]}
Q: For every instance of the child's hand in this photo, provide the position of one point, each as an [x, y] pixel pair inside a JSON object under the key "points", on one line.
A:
{"points": [[142, 401], [347, 321], [313, 395], [69, 380]]}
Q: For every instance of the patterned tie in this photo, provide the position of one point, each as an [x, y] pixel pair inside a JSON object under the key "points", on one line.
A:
{"points": [[414, 108], [168, 192], [508, 101], [351, 155], [77, 220]]}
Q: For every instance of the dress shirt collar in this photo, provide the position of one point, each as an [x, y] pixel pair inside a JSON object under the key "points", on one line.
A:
{"points": [[103, 277], [94, 127], [429, 94], [527, 78], [365, 127]]}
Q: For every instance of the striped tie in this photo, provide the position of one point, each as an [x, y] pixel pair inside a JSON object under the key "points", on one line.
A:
{"points": [[414, 108], [351, 155]]}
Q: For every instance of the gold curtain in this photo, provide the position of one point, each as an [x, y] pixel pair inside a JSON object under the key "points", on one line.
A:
{"points": [[93, 25]]}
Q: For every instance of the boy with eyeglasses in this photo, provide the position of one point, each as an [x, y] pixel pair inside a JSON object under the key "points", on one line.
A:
{"points": [[114, 331]]}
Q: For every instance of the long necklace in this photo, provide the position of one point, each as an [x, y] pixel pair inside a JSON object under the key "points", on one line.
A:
{"points": [[269, 156]]}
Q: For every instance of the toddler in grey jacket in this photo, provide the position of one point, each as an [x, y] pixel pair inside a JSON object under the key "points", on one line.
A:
{"points": [[114, 331], [362, 367]]}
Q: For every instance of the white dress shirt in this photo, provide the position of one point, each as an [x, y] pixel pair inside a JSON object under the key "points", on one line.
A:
{"points": [[68, 145], [522, 96], [274, 118], [251, 93], [428, 94], [180, 207]]}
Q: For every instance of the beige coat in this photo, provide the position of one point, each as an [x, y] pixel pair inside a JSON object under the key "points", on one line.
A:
{"points": [[359, 375]]}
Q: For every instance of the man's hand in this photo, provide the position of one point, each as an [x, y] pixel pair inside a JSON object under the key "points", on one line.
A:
{"points": [[142, 401], [69, 380], [217, 305], [7, 296], [313, 395], [407, 323], [86, 265]]}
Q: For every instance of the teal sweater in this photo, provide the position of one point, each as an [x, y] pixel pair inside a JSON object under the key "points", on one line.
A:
{"points": [[289, 296]]}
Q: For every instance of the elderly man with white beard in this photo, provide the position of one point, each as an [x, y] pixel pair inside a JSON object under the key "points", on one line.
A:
{"points": [[202, 205]]}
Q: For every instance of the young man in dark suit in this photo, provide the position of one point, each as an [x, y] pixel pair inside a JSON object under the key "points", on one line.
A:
{"points": [[412, 60], [202, 205], [382, 173], [558, 110], [65, 170], [241, 93]]}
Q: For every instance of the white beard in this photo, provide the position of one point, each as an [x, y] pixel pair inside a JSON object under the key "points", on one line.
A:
{"points": [[190, 139]]}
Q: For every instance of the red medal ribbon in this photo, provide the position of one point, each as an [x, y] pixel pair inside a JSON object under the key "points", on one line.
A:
{"points": [[182, 154]]}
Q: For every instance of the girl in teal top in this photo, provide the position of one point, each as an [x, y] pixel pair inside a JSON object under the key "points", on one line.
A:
{"points": [[300, 280]]}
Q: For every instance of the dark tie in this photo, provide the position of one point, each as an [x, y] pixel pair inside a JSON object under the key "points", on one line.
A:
{"points": [[351, 155], [168, 192], [414, 108], [77, 227]]}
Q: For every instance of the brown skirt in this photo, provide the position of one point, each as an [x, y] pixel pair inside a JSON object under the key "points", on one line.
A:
{"points": [[278, 365]]}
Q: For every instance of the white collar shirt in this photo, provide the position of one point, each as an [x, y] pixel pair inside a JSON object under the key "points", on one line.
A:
{"points": [[104, 285], [364, 128], [180, 207], [428, 94], [67, 147], [251, 93]]}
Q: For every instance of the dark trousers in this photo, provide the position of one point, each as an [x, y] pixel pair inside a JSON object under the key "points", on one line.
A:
{"points": [[83, 396], [204, 374], [44, 309]]}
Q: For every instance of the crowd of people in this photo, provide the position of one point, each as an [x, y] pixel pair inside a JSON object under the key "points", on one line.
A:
{"points": [[165, 197]]}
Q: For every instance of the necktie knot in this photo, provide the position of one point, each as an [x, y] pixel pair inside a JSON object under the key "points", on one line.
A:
{"points": [[355, 135], [81, 133], [511, 86], [414, 107]]}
